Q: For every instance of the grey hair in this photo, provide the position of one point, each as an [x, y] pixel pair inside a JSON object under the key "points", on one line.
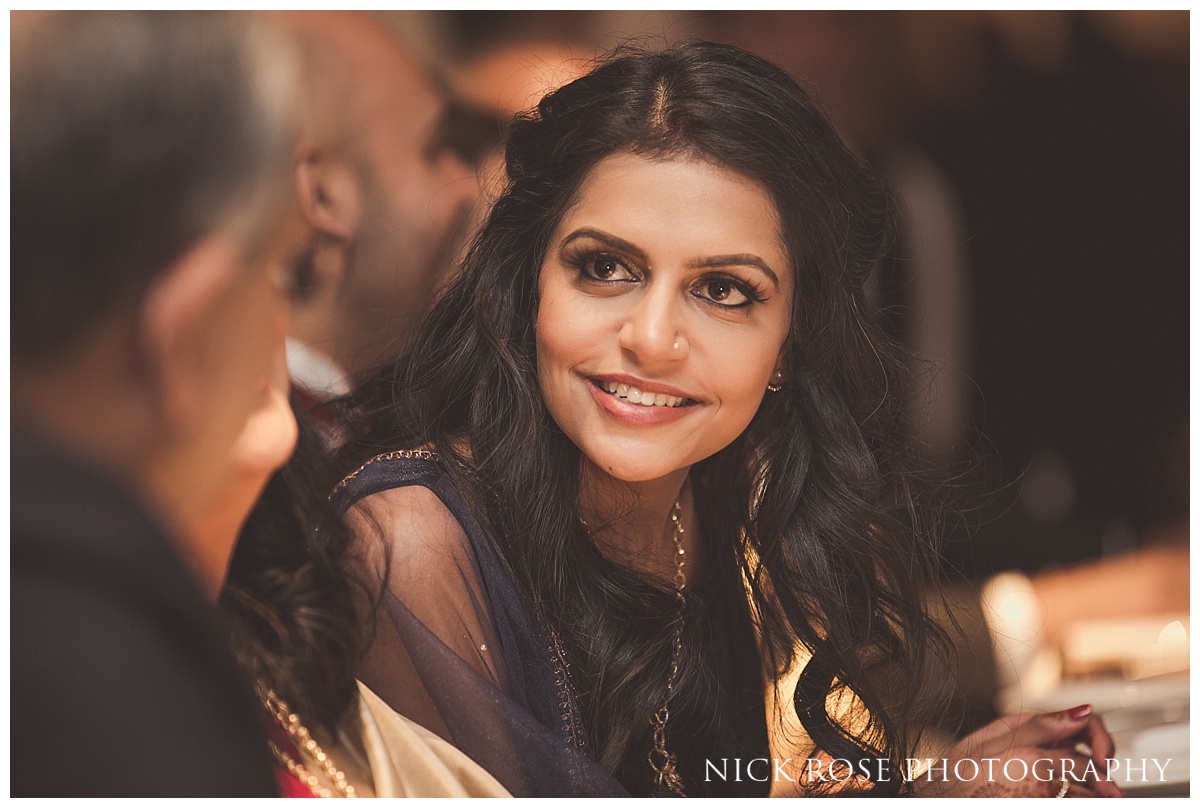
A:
{"points": [[135, 134]]}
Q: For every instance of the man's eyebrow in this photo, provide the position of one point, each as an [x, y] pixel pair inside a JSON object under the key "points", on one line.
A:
{"points": [[605, 238]]}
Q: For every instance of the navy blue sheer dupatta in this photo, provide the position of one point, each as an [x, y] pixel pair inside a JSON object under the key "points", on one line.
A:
{"points": [[454, 647]]}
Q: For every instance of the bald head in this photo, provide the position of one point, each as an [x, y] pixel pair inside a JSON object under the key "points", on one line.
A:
{"points": [[514, 77], [377, 181], [354, 65]]}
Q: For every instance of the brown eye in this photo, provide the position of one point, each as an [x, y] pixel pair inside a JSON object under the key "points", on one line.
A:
{"points": [[603, 268], [722, 292]]}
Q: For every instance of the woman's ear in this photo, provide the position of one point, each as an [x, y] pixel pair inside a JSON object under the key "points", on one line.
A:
{"points": [[779, 376]]}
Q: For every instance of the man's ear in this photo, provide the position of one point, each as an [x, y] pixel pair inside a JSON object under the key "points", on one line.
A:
{"points": [[178, 312], [330, 202], [328, 193]]}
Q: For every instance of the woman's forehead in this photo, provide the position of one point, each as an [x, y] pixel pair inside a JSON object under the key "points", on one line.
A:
{"points": [[681, 202]]}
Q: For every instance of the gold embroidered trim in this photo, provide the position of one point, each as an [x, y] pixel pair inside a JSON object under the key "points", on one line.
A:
{"points": [[408, 454]]}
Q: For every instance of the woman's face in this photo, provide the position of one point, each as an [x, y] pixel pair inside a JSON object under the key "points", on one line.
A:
{"points": [[666, 298]]}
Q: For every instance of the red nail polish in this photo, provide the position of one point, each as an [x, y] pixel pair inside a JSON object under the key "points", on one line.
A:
{"points": [[1082, 711]]}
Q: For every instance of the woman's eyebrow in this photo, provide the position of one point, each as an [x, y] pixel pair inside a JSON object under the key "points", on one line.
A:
{"points": [[739, 260], [605, 238]]}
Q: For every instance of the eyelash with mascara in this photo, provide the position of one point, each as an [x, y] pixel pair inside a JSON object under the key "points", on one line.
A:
{"points": [[750, 291], [581, 260]]}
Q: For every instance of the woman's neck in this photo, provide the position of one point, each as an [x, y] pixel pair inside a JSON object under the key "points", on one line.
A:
{"points": [[631, 522]]}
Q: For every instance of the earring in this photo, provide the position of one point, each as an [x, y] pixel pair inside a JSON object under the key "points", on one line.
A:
{"points": [[776, 383]]}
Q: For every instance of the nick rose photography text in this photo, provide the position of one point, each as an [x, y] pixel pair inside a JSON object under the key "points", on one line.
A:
{"points": [[761, 770]]}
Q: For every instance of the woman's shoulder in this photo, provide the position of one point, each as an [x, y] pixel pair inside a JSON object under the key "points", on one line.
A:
{"points": [[395, 469], [407, 512]]}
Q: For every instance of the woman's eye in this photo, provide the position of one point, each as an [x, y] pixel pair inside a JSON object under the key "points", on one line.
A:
{"points": [[725, 292], [606, 269]]}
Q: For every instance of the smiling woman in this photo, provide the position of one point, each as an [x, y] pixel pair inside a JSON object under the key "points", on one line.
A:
{"points": [[672, 296], [640, 480]]}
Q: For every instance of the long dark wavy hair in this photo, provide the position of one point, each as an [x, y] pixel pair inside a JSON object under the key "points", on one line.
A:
{"points": [[814, 505], [292, 595]]}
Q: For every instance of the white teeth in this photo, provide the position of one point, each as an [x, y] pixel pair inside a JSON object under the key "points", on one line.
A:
{"points": [[635, 396]]}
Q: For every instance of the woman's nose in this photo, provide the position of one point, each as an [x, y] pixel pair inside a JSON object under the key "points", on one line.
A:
{"points": [[652, 330]]}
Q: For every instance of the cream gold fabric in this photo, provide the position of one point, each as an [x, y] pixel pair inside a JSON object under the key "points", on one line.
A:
{"points": [[384, 754], [407, 760]]}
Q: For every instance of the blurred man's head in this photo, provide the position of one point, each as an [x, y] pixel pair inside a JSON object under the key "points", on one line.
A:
{"points": [[377, 181], [150, 241], [502, 79]]}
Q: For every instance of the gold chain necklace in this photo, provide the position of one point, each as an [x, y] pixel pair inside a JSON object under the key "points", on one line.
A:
{"points": [[664, 762], [290, 722]]}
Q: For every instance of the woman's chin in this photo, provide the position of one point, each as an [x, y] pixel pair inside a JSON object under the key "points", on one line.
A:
{"points": [[627, 471]]}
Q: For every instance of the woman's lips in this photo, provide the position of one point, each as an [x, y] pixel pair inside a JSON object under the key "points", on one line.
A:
{"points": [[627, 402], [608, 380], [646, 398]]}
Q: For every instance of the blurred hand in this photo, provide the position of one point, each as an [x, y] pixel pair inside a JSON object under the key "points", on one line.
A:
{"points": [[1041, 750]]}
